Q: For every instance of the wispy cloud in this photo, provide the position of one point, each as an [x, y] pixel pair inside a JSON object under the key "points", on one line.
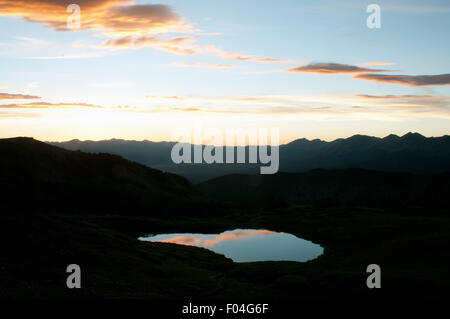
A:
{"points": [[183, 46], [267, 110], [408, 80], [18, 115], [175, 97], [32, 41], [8, 96], [180, 45], [310, 104], [428, 102], [186, 109], [330, 68], [397, 97], [46, 105], [240, 56], [71, 56]]}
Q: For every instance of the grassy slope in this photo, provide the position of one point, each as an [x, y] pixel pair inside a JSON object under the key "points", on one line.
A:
{"points": [[411, 250], [333, 187]]}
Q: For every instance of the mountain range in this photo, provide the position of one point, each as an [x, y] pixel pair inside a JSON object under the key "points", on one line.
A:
{"points": [[411, 153]]}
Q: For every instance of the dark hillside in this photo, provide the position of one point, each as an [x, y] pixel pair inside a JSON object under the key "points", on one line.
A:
{"points": [[333, 187], [36, 175]]}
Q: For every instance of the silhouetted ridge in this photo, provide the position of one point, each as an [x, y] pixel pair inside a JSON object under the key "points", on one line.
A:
{"points": [[412, 153], [40, 175]]}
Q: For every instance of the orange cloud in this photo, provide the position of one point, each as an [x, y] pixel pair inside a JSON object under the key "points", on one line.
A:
{"points": [[185, 109], [330, 68], [180, 45], [119, 17], [369, 75], [175, 97], [7, 96], [407, 80], [127, 24], [45, 105]]}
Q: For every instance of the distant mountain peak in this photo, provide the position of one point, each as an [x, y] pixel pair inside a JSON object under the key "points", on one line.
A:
{"points": [[413, 135], [361, 137], [391, 136]]}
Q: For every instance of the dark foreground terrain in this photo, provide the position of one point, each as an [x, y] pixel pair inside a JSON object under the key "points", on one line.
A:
{"points": [[62, 207]]}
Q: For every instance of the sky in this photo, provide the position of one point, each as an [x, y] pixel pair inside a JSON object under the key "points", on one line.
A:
{"points": [[143, 69]]}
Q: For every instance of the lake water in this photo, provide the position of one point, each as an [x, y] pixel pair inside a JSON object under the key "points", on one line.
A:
{"points": [[247, 245]]}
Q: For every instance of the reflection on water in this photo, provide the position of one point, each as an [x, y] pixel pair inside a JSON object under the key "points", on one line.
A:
{"points": [[247, 245]]}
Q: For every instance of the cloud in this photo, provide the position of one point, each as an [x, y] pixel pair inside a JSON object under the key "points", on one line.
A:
{"points": [[328, 104], [249, 110], [268, 110], [70, 56], [203, 65], [239, 56], [384, 97], [408, 101], [7, 96], [126, 24], [368, 75], [120, 17], [180, 45], [396, 97], [33, 41], [46, 105], [246, 101], [144, 18], [356, 107], [330, 68], [176, 97], [408, 80], [185, 109]]}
